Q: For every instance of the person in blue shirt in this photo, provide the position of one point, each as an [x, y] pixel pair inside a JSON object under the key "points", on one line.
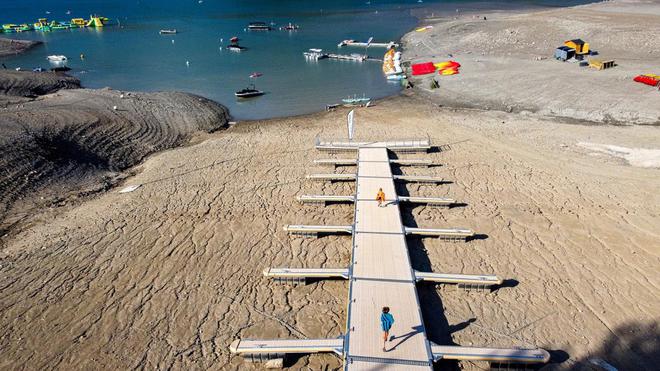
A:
{"points": [[386, 322]]}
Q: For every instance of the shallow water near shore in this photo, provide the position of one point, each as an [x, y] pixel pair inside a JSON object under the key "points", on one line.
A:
{"points": [[131, 55]]}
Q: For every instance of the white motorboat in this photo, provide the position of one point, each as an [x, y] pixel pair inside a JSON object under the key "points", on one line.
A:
{"points": [[315, 54], [56, 58]]}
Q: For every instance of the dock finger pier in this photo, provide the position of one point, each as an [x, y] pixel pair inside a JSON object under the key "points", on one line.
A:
{"points": [[380, 272]]}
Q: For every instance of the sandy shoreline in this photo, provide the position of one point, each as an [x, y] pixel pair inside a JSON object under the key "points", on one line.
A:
{"points": [[168, 275]]}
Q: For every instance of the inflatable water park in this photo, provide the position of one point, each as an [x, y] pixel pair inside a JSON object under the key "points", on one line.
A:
{"points": [[45, 25]]}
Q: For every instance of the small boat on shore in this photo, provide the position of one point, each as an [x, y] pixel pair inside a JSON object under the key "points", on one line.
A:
{"points": [[167, 32], [355, 101], [56, 58], [258, 26], [249, 92]]}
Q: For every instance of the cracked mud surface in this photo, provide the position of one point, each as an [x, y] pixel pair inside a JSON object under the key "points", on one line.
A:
{"points": [[168, 275]]}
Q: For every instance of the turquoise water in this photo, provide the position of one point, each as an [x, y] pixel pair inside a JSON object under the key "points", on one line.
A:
{"points": [[133, 56]]}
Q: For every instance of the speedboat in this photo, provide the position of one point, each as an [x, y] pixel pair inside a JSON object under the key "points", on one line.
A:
{"points": [[289, 27], [249, 92], [56, 58], [315, 54], [258, 26], [235, 47], [254, 75], [356, 101]]}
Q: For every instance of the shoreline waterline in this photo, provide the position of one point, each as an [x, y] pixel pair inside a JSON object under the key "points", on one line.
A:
{"points": [[192, 62]]}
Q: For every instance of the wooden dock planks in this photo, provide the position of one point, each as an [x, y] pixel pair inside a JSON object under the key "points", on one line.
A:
{"points": [[382, 276]]}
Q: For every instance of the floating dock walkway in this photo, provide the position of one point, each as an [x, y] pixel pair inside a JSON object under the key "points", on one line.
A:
{"points": [[388, 45], [380, 274]]}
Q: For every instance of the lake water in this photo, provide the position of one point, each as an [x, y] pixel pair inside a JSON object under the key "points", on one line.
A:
{"points": [[131, 55]]}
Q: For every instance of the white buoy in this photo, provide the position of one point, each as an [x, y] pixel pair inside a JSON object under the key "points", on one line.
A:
{"points": [[221, 39], [172, 41], [187, 64]]}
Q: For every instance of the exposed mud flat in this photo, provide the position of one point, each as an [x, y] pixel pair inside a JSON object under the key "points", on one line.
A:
{"points": [[12, 47], [168, 275], [74, 142], [32, 84]]}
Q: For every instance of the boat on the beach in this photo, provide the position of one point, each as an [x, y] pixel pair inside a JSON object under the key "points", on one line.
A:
{"points": [[258, 26], [56, 58], [249, 92], [167, 32], [315, 54], [356, 101]]}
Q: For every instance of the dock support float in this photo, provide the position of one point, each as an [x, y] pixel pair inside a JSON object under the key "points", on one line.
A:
{"points": [[431, 201], [332, 177], [418, 179], [323, 199], [493, 355], [353, 162], [300, 275], [314, 230], [452, 234]]}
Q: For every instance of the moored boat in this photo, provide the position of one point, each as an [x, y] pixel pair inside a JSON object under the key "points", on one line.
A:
{"points": [[168, 32], [355, 101], [249, 92], [57, 58], [290, 27], [258, 26], [235, 47], [315, 54]]}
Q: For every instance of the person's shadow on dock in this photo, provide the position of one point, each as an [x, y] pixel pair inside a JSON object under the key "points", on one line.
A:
{"points": [[406, 336]]}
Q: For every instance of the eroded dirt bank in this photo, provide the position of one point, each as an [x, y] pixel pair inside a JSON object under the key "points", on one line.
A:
{"points": [[72, 141]]}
